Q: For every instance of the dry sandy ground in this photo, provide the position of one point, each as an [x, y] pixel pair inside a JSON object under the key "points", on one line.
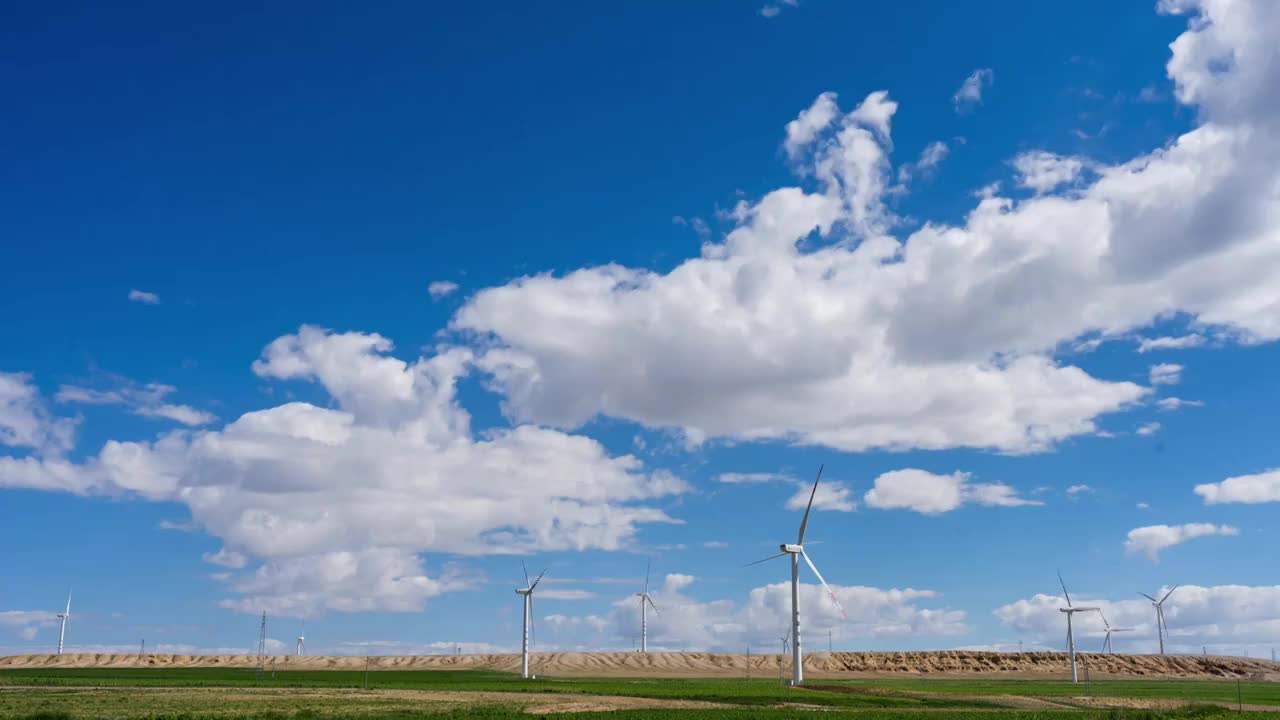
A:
{"points": [[696, 664]]}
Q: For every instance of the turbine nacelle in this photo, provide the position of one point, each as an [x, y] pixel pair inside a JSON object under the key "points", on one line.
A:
{"points": [[1078, 609], [792, 549]]}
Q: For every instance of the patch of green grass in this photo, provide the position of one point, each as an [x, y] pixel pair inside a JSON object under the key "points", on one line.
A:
{"points": [[507, 712], [1251, 692], [729, 691]]}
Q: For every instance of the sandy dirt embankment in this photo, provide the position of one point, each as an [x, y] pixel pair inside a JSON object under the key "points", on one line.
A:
{"points": [[697, 664]]}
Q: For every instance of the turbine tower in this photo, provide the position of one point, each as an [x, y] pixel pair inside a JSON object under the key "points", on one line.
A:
{"points": [[1071, 639], [302, 642], [796, 552], [65, 617], [1106, 641], [527, 592], [1162, 628], [644, 618]]}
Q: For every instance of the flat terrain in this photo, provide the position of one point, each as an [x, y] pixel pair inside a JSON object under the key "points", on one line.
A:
{"points": [[227, 692]]}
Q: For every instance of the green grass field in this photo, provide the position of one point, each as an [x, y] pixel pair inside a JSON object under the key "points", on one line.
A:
{"points": [[176, 693], [1255, 693]]}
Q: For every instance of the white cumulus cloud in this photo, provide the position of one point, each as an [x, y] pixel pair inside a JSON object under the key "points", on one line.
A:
{"points": [[1154, 539], [1261, 487], [931, 494], [276, 484], [971, 90]]}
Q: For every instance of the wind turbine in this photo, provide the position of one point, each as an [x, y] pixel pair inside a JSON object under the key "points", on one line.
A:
{"points": [[1071, 639], [65, 616], [1162, 628], [302, 642], [1106, 642], [644, 619], [796, 552], [527, 592]]}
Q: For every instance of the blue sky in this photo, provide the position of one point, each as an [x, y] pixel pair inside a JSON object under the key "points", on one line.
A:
{"points": [[341, 314]]}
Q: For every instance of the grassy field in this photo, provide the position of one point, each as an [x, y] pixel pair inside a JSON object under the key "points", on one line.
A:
{"points": [[1251, 693], [729, 691], [176, 693]]}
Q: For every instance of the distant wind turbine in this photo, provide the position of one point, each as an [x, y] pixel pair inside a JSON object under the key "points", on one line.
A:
{"points": [[1071, 639], [527, 592], [1162, 627], [66, 617], [1106, 642], [796, 552], [302, 642], [644, 618]]}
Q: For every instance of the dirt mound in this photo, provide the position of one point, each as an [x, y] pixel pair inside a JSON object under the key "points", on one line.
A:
{"points": [[697, 664]]}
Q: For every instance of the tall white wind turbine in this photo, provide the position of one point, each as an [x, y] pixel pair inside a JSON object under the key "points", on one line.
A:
{"points": [[1106, 641], [527, 592], [644, 618], [1071, 639], [1162, 628], [796, 552], [66, 617], [302, 642]]}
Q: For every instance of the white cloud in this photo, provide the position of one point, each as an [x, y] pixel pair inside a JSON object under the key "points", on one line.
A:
{"points": [[1173, 403], [276, 484], [715, 544], [930, 158], [1165, 374], [811, 122], [145, 400], [226, 558], [924, 492], [27, 623], [830, 495], [1149, 428], [145, 298], [1043, 171], [1153, 539], [25, 421], [1262, 487], [970, 91], [1077, 489], [725, 625], [810, 323], [1144, 506], [567, 594], [772, 10], [1225, 618], [734, 478], [441, 288], [1146, 345]]}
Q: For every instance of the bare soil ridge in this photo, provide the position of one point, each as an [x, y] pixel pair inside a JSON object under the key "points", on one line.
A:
{"points": [[955, 663]]}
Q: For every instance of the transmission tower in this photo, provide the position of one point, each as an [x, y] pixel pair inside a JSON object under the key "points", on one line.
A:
{"points": [[262, 647]]}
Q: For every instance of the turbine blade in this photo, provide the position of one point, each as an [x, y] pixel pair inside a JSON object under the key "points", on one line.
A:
{"points": [[650, 601], [1166, 595], [1147, 596], [646, 577], [771, 557], [69, 602], [830, 592], [535, 582], [526, 573], [532, 627], [1064, 588], [1105, 624], [805, 521]]}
